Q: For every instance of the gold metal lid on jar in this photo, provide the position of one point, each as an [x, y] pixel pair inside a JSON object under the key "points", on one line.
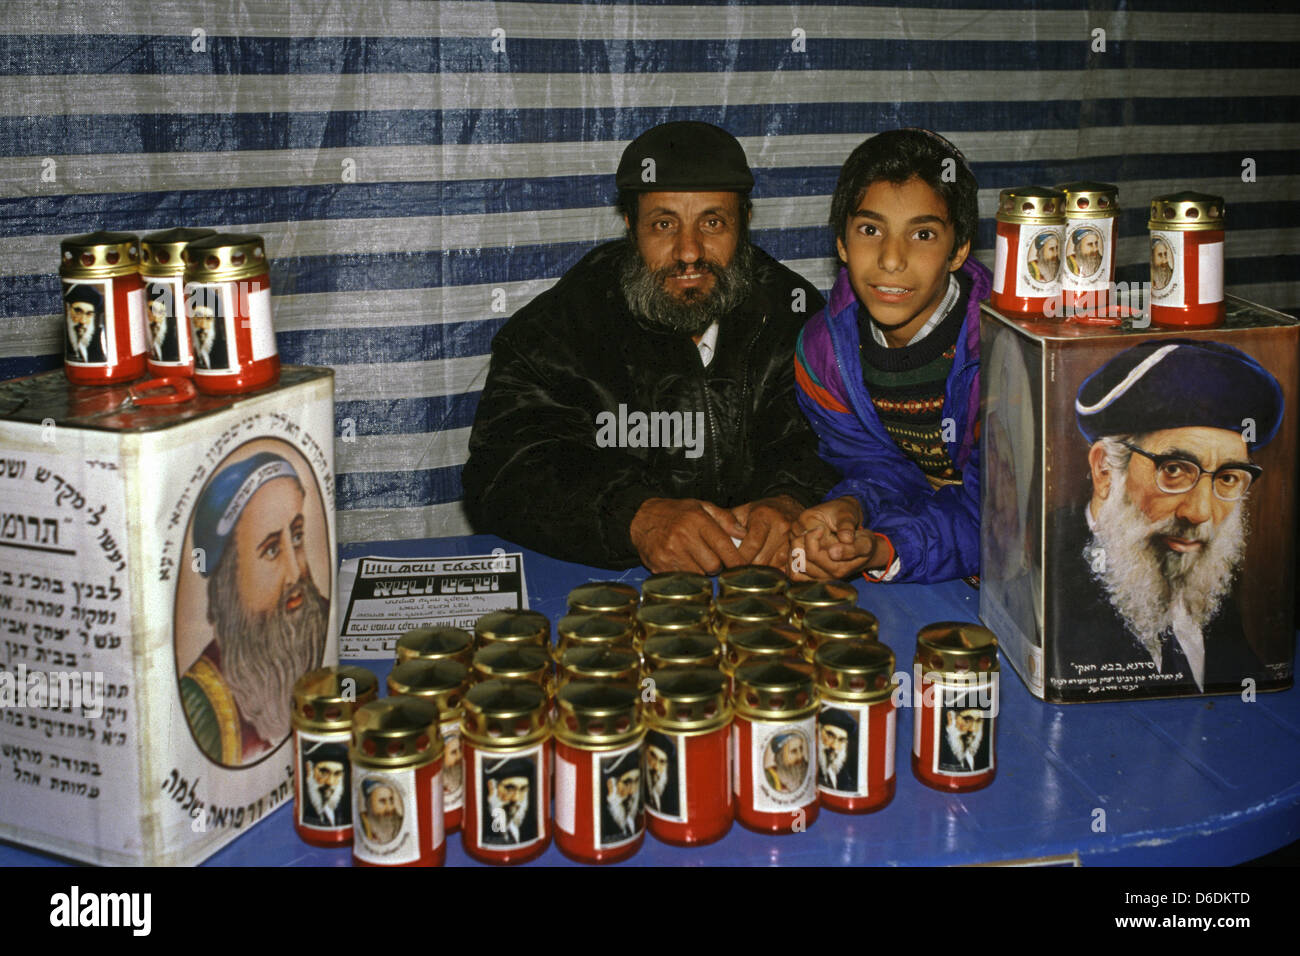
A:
{"points": [[810, 594], [436, 644], [1035, 205], [762, 642], [396, 732], [655, 620], [950, 647], [505, 713], [615, 665], [325, 699], [748, 609], [99, 255], [514, 626], [601, 716], [223, 257], [513, 662], [686, 649], [593, 630], [604, 597], [775, 690], [160, 252], [751, 579], [837, 624], [676, 587], [1088, 200], [859, 671], [443, 682], [1186, 212], [688, 700]]}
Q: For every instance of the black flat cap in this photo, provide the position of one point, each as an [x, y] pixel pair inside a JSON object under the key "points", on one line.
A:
{"points": [[685, 156]]}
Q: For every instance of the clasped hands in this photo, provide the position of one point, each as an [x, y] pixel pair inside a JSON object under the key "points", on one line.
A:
{"points": [[688, 534]]}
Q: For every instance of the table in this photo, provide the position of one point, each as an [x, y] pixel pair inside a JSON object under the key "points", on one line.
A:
{"points": [[1212, 780]]}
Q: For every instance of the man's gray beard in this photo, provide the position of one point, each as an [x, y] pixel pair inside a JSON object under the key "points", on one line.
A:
{"points": [[1160, 276], [833, 761], [624, 810], [321, 805], [1153, 587], [385, 829], [453, 778], [658, 784], [644, 291], [792, 777], [264, 653], [964, 745], [514, 814], [1089, 264]]}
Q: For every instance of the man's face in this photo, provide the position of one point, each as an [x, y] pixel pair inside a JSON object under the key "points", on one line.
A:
{"points": [[685, 236], [204, 326], [513, 792], [1208, 447], [793, 752], [629, 784], [968, 721], [451, 755], [328, 775], [157, 317], [1089, 246], [1160, 255], [896, 247], [834, 739], [1051, 251], [269, 540], [656, 762], [383, 802], [81, 315]]}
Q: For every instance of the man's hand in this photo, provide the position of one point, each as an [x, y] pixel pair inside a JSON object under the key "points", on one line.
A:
{"points": [[685, 534], [834, 543], [767, 523]]}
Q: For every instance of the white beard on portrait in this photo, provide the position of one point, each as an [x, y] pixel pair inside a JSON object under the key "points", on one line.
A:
{"points": [[624, 810], [657, 783], [511, 813], [964, 746], [323, 805], [832, 763]]}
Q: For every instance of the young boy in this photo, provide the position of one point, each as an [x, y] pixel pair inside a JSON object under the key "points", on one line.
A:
{"points": [[888, 373]]}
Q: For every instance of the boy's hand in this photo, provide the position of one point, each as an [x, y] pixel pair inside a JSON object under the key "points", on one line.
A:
{"points": [[834, 543], [767, 523]]}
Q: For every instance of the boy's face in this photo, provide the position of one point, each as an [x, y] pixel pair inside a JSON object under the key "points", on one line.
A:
{"points": [[896, 247]]}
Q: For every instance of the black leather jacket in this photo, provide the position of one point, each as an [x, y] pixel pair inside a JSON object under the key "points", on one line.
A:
{"points": [[536, 473]]}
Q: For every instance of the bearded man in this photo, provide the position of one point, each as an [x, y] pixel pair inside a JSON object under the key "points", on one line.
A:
{"points": [[271, 622], [325, 779], [962, 748], [83, 306], [381, 818], [642, 410], [1162, 263], [620, 816], [661, 775], [788, 769], [508, 784], [1047, 260], [1086, 258], [838, 741], [1170, 423]]}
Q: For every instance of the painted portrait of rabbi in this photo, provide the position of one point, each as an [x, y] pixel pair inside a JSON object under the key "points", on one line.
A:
{"points": [[269, 619], [1171, 425]]}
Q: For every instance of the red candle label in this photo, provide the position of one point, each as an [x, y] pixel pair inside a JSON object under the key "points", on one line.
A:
{"points": [[508, 813], [1167, 278], [618, 816], [1087, 255], [212, 312], [453, 768], [847, 740], [324, 774], [665, 776], [167, 327], [90, 311], [782, 765], [386, 811], [1039, 261], [961, 731]]}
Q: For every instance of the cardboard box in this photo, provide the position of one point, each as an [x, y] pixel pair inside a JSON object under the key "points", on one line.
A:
{"points": [[1140, 593], [165, 573]]}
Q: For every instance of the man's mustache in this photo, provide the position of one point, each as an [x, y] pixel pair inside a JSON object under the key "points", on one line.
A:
{"points": [[1175, 527]]}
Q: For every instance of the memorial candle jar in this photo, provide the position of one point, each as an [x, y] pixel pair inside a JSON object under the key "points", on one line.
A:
{"points": [[685, 649], [397, 784], [1187, 261], [774, 746], [103, 308], [955, 692], [767, 642], [1030, 245], [599, 817], [687, 759], [436, 644], [508, 751], [1088, 253], [813, 594], [677, 587], [856, 730], [324, 701], [752, 579], [593, 630], [604, 597], [830, 624], [228, 301], [162, 269], [444, 683], [515, 626], [606, 665]]}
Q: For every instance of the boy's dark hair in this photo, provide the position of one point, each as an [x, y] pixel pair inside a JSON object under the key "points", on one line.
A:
{"points": [[896, 156], [628, 204]]}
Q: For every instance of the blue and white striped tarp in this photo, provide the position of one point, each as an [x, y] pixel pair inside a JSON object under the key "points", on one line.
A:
{"points": [[406, 160]]}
